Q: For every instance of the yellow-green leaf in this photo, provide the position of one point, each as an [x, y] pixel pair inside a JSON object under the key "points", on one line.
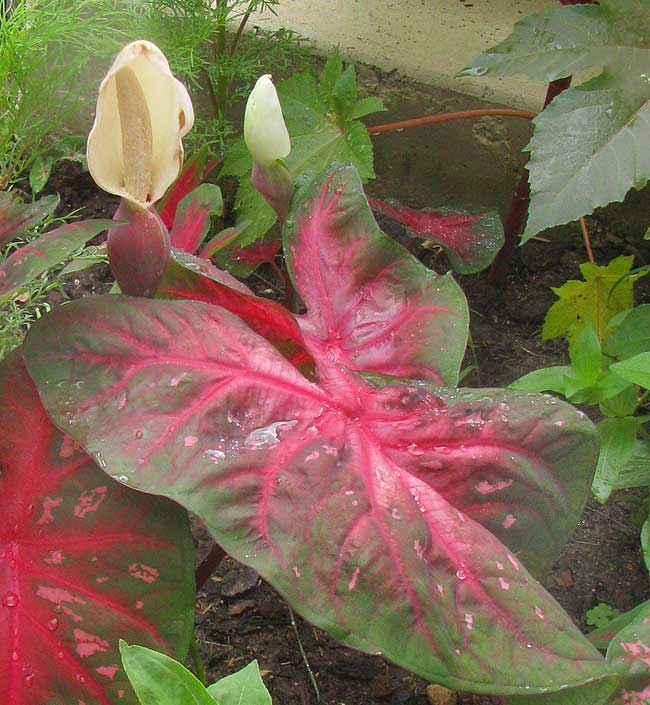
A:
{"points": [[596, 300]]}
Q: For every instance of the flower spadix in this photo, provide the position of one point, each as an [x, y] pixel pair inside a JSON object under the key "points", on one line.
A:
{"points": [[143, 112], [268, 142], [135, 151]]}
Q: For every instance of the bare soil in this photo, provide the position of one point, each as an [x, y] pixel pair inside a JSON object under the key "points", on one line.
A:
{"points": [[239, 617]]}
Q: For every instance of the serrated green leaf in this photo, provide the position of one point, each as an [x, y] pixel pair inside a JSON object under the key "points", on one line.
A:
{"points": [[617, 443], [160, 680], [632, 336], [331, 74], [367, 106], [635, 369], [245, 687], [592, 301], [587, 147], [344, 94]]}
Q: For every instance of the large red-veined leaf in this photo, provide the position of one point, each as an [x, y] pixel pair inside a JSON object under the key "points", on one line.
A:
{"points": [[192, 217], [16, 217], [471, 240], [370, 304], [193, 278], [84, 561], [330, 491], [194, 172], [28, 262]]}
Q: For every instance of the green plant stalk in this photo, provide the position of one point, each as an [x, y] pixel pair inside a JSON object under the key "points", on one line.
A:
{"points": [[219, 51]]}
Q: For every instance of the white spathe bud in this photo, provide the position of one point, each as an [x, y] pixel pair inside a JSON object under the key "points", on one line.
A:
{"points": [[143, 112], [265, 133]]}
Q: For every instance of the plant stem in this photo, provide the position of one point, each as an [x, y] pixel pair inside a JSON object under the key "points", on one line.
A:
{"points": [[219, 51], [208, 565], [585, 237], [312, 678], [199, 667], [240, 29], [447, 117], [514, 223]]}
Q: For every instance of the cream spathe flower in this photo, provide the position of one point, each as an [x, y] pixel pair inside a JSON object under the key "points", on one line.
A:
{"points": [[134, 148], [265, 133]]}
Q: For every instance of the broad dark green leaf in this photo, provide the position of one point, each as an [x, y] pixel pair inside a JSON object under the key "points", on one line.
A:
{"points": [[634, 369], [545, 379], [632, 336], [617, 443]]}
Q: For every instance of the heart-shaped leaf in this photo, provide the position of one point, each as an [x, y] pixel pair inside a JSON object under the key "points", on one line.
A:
{"points": [[196, 279], [194, 172], [471, 240], [83, 562], [336, 495], [16, 217], [370, 304], [28, 262]]}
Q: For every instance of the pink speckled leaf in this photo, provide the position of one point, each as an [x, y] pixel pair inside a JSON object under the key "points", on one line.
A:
{"points": [[31, 260], [370, 304], [332, 492], [629, 655], [471, 240], [83, 562], [192, 217], [17, 217]]}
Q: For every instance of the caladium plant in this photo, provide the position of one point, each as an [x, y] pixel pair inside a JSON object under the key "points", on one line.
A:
{"points": [[394, 511], [83, 562]]}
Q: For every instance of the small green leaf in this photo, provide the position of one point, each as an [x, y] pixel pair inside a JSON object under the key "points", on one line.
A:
{"points": [[635, 369], [160, 680], [546, 379], [367, 106], [596, 300], [601, 637], [40, 172], [601, 615], [618, 440], [245, 687], [645, 543]]}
